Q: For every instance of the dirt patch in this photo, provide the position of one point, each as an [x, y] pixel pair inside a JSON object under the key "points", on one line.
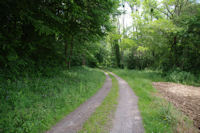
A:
{"points": [[186, 98]]}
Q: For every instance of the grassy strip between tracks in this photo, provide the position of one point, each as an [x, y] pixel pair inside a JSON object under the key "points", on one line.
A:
{"points": [[101, 119]]}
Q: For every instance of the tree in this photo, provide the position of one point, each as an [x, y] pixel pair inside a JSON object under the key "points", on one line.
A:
{"points": [[165, 35], [35, 32]]}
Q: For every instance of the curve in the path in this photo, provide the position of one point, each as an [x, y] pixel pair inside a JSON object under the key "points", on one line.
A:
{"points": [[127, 116], [74, 121]]}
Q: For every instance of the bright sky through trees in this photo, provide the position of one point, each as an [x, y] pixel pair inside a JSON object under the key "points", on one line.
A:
{"points": [[127, 16]]}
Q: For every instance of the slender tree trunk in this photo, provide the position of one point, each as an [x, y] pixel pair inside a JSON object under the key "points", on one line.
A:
{"points": [[175, 52], [66, 53], [71, 52], [136, 32], [132, 11], [83, 59], [117, 53]]}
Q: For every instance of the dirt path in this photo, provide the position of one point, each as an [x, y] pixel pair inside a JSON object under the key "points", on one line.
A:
{"points": [[127, 117], [74, 121]]}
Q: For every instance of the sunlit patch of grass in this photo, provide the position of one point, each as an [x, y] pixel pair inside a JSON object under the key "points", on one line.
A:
{"points": [[101, 119], [159, 116]]}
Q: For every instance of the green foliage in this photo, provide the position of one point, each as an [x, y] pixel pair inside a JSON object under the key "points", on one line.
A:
{"points": [[113, 48], [128, 43], [44, 33], [36, 37], [179, 76], [34, 103], [164, 35]]}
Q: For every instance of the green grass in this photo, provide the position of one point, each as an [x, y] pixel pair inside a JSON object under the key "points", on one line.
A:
{"points": [[159, 116], [32, 104], [100, 121]]}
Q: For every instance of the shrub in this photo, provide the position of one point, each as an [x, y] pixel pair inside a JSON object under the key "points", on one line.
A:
{"points": [[182, 77]]}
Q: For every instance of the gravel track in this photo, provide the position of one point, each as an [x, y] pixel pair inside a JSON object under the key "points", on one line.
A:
{"points": [[127, 117]]}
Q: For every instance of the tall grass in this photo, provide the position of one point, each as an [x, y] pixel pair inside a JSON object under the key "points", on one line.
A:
{"points": [[32, 104], [158, 115], [179, 76]]}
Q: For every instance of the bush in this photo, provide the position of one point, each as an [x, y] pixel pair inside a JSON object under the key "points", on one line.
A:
{"points": [[182, 77]]}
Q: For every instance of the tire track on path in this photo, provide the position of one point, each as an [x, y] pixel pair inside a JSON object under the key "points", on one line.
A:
{"points": [[74, 121], [127, 116]]}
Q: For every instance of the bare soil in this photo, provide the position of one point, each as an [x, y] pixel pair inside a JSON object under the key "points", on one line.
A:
{"points": [[185, 98], [73, 122]]}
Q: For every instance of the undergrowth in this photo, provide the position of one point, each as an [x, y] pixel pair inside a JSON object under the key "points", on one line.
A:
{"points": [[184, 77], [101, 120], [32, 104], [158, 115]]}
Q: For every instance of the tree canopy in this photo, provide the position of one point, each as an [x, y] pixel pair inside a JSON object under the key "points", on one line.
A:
{"points": [[164, 35], [35, 34]]}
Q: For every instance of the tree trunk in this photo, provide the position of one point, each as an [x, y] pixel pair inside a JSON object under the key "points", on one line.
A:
{"points": [[71, 52], [174, 52], [66, 53], [83, 60], [117, 53]]}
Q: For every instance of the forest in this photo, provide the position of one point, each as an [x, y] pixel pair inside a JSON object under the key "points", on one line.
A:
{"points": [[52, 53], [42, 35]]}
